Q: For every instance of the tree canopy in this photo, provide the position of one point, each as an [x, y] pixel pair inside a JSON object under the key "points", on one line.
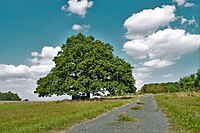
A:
{"points": [[9, 96], [191, 82], [87, 65]]}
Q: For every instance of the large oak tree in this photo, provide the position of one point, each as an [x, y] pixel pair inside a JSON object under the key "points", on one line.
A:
{"points": [[86, 65]]}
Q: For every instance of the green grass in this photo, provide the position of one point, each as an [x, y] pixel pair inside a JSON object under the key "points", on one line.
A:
{"points": [[125, 117], [140, 103], [137, 107], [182, 111], [51, 116]]}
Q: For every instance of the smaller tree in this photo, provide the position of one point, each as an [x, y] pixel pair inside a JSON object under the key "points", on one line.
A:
{"points": [[9, 96], [197, 80], [187, 83]]}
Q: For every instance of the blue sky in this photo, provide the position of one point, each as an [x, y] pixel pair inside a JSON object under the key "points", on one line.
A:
{"points": [[31, 32]]}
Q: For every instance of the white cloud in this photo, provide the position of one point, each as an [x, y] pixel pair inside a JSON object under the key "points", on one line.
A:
{"points": [[183, 20], [45, 57], [143, 69], [34, 54], [49, 52], [157, 48], [136, 48], [179, 2], [78, 7], [64, 8], [168, 75], [77, 27], [11, 71], [167, 44], [189, 4], [161, 49], [139, 84], [140, 76], [188, 22], [148, 21], [157, 63], [22, 79], [192, 21]]}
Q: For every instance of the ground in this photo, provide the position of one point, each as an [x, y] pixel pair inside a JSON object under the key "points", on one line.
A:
{"points": [[149, 119]]}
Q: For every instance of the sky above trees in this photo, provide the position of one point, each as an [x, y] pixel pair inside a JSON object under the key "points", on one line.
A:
{"points": [[159, 38]]}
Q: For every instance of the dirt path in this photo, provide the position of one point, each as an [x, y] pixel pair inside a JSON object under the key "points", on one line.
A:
{"points": [[149, 119]]}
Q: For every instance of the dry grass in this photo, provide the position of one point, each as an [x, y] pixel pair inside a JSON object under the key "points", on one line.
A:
{"points": [[182, 110], [188, 94], [125, 117]]}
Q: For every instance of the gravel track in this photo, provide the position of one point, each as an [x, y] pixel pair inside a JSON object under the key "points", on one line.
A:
{"points": [[149, 119]]}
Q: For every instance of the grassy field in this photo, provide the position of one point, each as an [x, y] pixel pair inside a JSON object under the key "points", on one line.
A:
{"points": [[182, 110], [51, 116]]}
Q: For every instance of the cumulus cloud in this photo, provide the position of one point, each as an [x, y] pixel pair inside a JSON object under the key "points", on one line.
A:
{"points": [[189, 4], [78, 27], [136, 48], [45, 57], [140, 77], [161, 49], [179, 2], [157, 48], [139, 84], [157, 63], [143, 69], [168, 75], [167, 44], [148, 21], [11, 71], [78, 7], [22, 79]]}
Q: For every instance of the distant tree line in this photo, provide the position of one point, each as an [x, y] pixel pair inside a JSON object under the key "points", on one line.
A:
{"points": [[187, 83], [9, 96], [161, 87]]}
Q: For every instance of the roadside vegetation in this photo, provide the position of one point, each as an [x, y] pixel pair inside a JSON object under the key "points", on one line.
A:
{"points": [[182, 110], [137, 107], [51, 116], [140, 103], [187, 83], [126, 118]]}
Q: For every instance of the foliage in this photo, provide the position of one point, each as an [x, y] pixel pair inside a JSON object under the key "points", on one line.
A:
{"points": [[35, 117], [191, 82], [160, 88], [197, 81], [9, 96], [126, 117], [137, 107], [140, 103], [87, 65], [187, 83], [182, 110]]}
